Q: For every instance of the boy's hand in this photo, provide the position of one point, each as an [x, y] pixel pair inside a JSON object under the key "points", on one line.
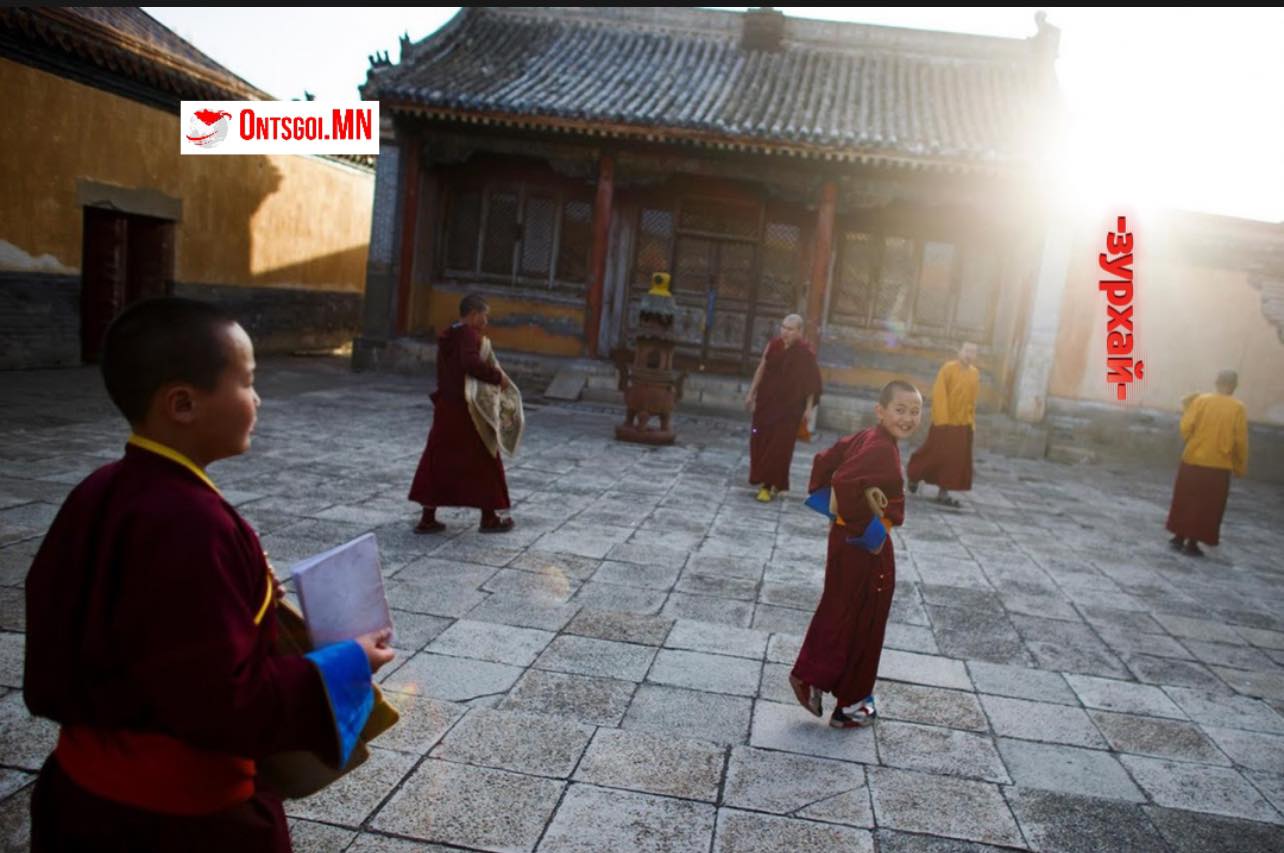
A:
{"points": [[375, 645]]}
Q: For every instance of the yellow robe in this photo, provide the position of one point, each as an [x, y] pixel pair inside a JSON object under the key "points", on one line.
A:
{"points": [[1215, 427], [954, 395]]}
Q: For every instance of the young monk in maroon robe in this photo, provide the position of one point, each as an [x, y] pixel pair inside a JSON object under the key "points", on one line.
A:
{"points": [[151, 619], [456, 469], [844, 642], [1215, 428], [785, 388], [945, 459]]}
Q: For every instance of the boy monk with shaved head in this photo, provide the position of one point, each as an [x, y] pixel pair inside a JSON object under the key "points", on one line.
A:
{"points": [[844, 641], [151, 619]]}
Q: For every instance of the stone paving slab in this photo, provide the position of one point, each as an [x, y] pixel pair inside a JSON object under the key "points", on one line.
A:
{"points": [[933, 706], [1188, 832], [699, 671], [602, 658], [1042, 721], [1157, 737], [1068, 770], [747, 832], [1071, 824], [941, 805], [559, 686], [938, 750], [579, 698], [1217, 790], [592, 819], [471, 807], [653, 764], [357, 794], [786, 784], [690, 713], [533, 744]]}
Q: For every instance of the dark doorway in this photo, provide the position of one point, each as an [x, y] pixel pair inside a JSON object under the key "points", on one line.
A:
{"points": [[126, 257]]}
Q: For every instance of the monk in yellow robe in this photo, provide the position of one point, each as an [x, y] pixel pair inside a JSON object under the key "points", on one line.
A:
{"points": [[1215, 428], [945, 459]]}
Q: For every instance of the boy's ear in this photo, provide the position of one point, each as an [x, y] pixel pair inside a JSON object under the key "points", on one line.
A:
{"points": [[178, 403]]}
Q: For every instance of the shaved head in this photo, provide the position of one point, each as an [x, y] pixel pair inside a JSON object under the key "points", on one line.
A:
{"points": [[1227, 379]]}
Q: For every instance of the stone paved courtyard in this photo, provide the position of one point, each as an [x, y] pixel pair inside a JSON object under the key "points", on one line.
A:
{"points": [[612, 674]]}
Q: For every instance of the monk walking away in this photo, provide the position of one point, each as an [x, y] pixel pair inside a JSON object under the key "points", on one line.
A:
{"points": [[456, 468], [1215, 429], [785, 388], [945, 459], [844, 641], [151, 619]]}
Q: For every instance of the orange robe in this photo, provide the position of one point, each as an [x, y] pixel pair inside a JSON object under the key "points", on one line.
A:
{"points": [[1215, 427], [945, 459]]}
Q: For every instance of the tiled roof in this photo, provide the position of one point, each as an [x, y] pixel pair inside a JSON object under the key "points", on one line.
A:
{"points": [[835, 90], [126, 41]]}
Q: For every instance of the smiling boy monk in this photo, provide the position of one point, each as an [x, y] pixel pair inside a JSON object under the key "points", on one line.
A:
{"points": [[844, 641], [151, 619]]}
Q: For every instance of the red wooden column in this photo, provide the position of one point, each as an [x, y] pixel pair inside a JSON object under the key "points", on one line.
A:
{"points": [[409, 225], [820, 259], [597, 262]]}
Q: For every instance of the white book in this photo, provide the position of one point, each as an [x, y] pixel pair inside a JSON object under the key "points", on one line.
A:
{"points": [[341, 592]]}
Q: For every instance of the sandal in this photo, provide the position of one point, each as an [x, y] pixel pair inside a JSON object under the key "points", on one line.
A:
{"points": [[433, 527], [949, 502], [501, 525]]}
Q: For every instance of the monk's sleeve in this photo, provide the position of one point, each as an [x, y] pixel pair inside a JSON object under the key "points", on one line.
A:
{"points": [[941, 397], [1190, 418], [1239, 454], [872, 465], [471, 360], [815, 383], [826, 463], [200, 657]]}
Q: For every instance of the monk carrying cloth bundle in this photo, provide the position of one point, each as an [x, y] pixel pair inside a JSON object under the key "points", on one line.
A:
{"points": [[497, 414]]}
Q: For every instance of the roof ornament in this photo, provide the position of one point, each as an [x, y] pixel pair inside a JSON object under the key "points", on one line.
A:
{"points": [[762, 28], [1047, 40], [379, 59]]}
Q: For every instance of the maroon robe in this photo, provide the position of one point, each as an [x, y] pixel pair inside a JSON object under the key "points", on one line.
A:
{"points": [[844, 641], [945, 459], [789, 376], [1199, 502], [456, 469], [141, 624]]}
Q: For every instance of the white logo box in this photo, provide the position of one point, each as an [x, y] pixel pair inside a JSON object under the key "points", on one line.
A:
{"points": [[279, 127]]}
